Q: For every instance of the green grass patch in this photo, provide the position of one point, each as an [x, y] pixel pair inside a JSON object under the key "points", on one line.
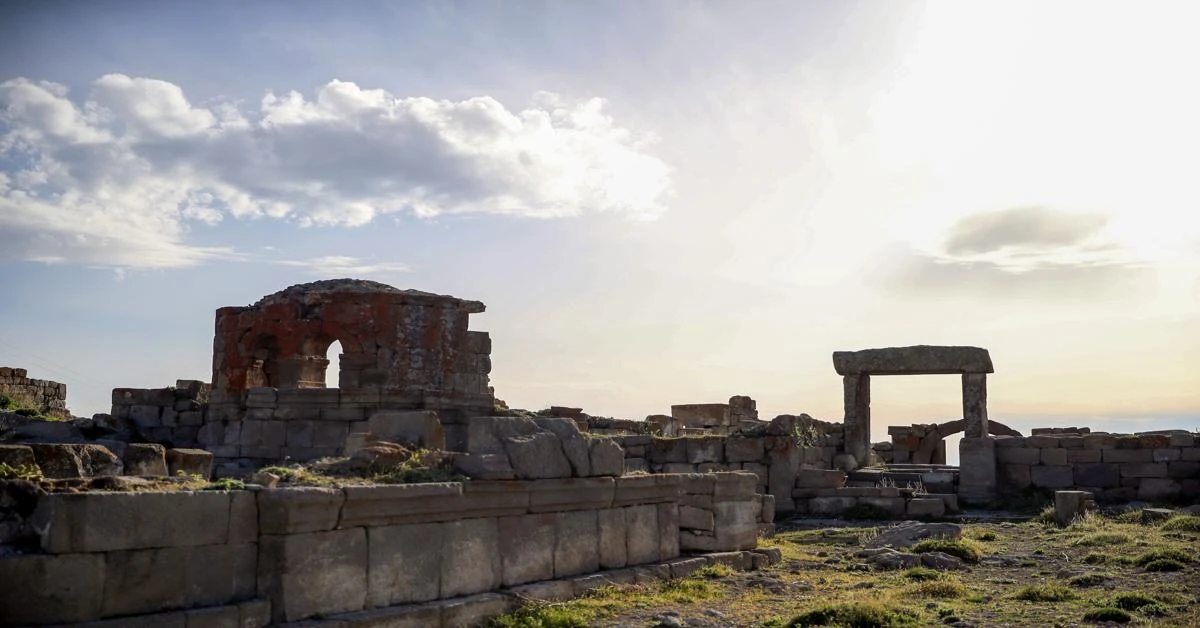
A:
{"points": [[1172, 554], [30, 472], [1132, 600], [923, 574], [1089, 580], [962, 548], [1164, 565], [1182, 523], [855, 615], [718, 570], [1114, 615], [1045, 593], [1157, 609], [226, 484], [544, 616], [986, 536], [1103, 538], [941, 589], [1095, 558]]}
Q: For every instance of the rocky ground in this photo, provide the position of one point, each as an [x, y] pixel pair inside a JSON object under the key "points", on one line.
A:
{"points": [[1103, 570]]}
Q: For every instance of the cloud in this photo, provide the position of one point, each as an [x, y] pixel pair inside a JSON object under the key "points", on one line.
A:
{"points": [[1021, 227], [342, 266], [118, 179]]}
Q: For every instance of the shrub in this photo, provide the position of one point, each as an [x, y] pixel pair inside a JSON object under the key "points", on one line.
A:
{"points": [[1114, 615], [1165, 564], [954, 547], [923, 574], [1157, 609], [938, 589], [986, 536], [542, 616], [855, 615], [226, 484], [1095, 558], [1045, 593], [1172, 554], [1182, 523], [1133, 600], [1089, 580]]}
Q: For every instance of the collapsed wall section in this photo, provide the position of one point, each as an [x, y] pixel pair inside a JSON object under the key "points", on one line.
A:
{"points": [[41, 394]]}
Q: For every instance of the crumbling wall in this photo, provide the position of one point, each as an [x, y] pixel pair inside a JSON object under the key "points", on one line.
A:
{"points": [[442, 554], [1113, 467], [711, 418], [46, 396]]}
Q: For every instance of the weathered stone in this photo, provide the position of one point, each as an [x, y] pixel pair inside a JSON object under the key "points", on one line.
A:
{"points": [[1051, 477], [1158, 489], [664, 450], [1042, 441], [668, 531], [1069, 505], [145, 459], [1127, 455], [734, 485], [1085, 456], [1019, 455], [1102, 475], [1183, 470], [941, 561], [416, 428], [1054, 457], [908, 533], [977, 467], [572, 494], [1181, 440], [471, 557], [830, 505], [537, 456], [744, 449], [913, 360], [403, 563], [190, 462], [17, 456], [974, 404], [105, 522], [646, 489], [613, 531], [151, 580], [1144, 470], [606, 457], [705, 449], [576, 543], [1166, 455], [574, 445], [41, 589], [313, 573], [696, 518], [642, 529], [296, 510], [475, 610], [819, 478]]}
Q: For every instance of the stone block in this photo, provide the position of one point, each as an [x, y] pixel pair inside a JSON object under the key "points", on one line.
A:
{"points": [[1127, 455], [527, 550], [685, 567], [977, 467], [894, 506], [1015, 476], [576, 543], [190, 462], [212, 617], [343, 414], [1190, 454], [1085, 456], [1056, 457], [1144, 470], [152, 580], [313, 573], [1069, 505], [736, 525], [105, 522], [41, 589], [1153, 441], [1041, 441], [735, 485], [1071, 442], [1100, 475], [471, 557], [830, 505], [299, 433], [705, 449], [1158, 489], [243, 517], [17, 455], [1183, 470], [642, 530], [606, 457], [696, 518], [145, 459], [744, 449], [1019, 455], [392, 504], [819, 478], [613, 532], [925, 507], [404, 563], [1051, 477], [537, 456], [1181, 440], [767, 513], [485, 498], [415, 427], [571, 494], [1099, 441], [664, 450], [145, 416], [668, 531], [296, 510], [1166, 455], [647, 489]]}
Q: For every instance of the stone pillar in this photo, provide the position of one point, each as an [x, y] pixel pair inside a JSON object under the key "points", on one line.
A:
{"points": [[974, 393], [1070, 505], [856, 391], [977, 469]]}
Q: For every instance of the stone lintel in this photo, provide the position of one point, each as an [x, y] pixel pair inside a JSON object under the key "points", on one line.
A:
{"points": [[914, 360]]}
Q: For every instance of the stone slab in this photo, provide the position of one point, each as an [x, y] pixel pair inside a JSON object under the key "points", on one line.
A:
{"points": [[527, 553], [297, 510], [306, 574], [404, 563], [913, 360], [471, 557], [41, 589], [152, 580], [102, 522]]}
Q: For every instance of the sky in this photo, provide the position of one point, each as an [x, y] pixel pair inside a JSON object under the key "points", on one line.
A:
{"points": [[660, 202]]}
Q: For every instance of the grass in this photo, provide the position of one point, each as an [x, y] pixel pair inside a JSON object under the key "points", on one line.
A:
{"points": [[1166, 554], [923, 574], [938, 589], [1103, 538], [1045, 593], [1181, 523], [1164, 565], [1089, 580], [855, 615], [961, 548], [33, 473], [1132, 600], [543, 616]]}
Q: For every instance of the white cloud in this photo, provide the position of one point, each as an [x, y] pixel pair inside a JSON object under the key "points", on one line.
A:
{"points": [[116, 180], [344, 266]]}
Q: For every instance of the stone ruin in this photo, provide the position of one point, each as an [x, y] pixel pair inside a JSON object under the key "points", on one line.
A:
{"points": [[557, 502]]}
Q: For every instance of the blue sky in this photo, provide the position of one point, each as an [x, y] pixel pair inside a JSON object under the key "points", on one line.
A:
{"points": [[660, 202]]}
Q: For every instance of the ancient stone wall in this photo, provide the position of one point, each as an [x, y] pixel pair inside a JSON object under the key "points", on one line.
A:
{"points": [[448, 554], [46, 396], [826, 493], [1114, 467]]}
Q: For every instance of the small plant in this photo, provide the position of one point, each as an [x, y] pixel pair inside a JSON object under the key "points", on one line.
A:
{"points": [[1045, 593], [1165, 564], [1114, 615], [542, 616], [986, 536], [1182, 523], [1179, 556], [1103, 538], [1132, 601], [855, 615], [719, 570], [923, 574], [806, 435], [226, 484], [1095, 558], [1157, 609], [955, 547], [30, 472]]}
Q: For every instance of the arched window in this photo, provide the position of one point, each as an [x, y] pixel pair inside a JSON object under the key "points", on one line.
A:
{"points": [[333, 365]]}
